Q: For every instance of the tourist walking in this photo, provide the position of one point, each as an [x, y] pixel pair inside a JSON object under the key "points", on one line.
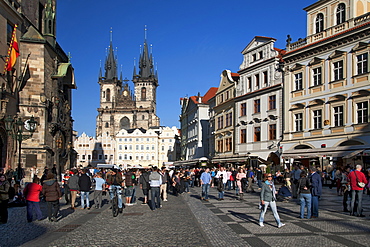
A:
{"points": [[357, 181], [73, 187], [98, 190], [52, 194], [32, 194], [4, 198], [205, 181], [155, 180], [268, 198], [239, 177], [316, 190], [84, 183], [304, 192]]}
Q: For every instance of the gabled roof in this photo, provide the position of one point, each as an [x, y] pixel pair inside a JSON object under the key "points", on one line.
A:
{"points": [[256, 39], [204, 99]]}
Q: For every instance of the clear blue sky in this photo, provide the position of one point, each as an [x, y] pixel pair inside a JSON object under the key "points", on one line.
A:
{"points": [[193, 42]]}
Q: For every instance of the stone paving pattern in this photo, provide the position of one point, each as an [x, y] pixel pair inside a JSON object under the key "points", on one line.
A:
{"points": [[188, 221]]}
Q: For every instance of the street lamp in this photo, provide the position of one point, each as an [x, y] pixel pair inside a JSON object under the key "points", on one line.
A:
{"points": [[15, 129]]}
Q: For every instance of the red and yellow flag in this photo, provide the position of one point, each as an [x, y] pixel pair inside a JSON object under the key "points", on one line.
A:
{"points": [[13, 51]]}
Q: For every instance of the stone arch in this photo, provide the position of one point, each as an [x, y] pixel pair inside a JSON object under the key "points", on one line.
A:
{"points": [[303, 146], [125, 123], [350, 143]]}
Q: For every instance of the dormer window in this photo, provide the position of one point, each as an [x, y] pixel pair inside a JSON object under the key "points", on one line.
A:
{"points": [[319, 23], [341, 13]]}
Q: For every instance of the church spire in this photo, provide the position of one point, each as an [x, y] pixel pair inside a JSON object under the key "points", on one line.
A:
{"points": [[145, 62], [110, 62]]}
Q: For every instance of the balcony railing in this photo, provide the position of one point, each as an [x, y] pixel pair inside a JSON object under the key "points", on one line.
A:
{"points": [[329, 32]]}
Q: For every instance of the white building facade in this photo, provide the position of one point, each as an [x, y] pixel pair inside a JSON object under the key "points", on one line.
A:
{"points": [[92, 151], [144, 148]]}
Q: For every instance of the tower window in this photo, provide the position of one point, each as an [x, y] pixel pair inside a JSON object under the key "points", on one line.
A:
{"points": [[143, 93], [108, 95]]}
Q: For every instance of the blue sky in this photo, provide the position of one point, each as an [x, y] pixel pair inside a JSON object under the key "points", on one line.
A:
{"points": [[193, 42]]}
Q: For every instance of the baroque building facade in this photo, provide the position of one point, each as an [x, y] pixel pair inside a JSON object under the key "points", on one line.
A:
{"points": [[44, 90], [327, 87], [258, 101], [119, 107]]}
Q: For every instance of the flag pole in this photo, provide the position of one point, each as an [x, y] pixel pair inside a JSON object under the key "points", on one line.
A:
{"points": [[20, 79]]}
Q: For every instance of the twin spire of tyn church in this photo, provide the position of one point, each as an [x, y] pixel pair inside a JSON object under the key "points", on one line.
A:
{"points": [[146, 63]]}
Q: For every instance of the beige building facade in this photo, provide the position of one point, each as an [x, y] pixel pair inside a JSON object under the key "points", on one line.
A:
{"points": [[327, 87]]}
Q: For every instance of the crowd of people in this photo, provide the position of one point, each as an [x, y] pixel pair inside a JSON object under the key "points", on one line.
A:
{"points": [[300, 183]]}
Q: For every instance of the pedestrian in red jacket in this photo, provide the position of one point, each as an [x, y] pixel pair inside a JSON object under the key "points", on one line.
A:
{"points": [[32, 195]]}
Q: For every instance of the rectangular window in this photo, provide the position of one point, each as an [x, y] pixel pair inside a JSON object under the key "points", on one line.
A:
{"points": [[257, 134], [142, 147], [100, 157], [316, 76], [362, 112], [257, 81], [220, 122], [265, 78], [130, 147], [220, 146], [243, 136], [272, 102], [137, 147], [229, 119], [362, 63], [338, 70], [83, 157], [257, 106], [298, 81], [228, 144], [249, 83], [254, 57], [317, 119], [272, 132], [260, 54], [298, 120], [338, 116], [227, 95], [243, 109]]}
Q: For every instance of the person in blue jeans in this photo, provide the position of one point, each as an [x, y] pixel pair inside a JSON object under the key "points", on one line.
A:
{"points": [[205, 181], [304, 192]]}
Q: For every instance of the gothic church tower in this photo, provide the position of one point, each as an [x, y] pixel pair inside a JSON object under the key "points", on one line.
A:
{"points": [[119, 107]]}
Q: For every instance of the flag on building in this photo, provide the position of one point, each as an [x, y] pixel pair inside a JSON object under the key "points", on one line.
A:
{"points": [[13, 52]]}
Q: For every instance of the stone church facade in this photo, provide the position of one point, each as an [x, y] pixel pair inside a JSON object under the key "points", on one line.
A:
{"points": [[121, 108]]}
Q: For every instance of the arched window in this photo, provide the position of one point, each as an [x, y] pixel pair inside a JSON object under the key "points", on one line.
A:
{"points": [[108, 95], [125, 123], [143, 117], [319, 23], [341, 13], [143, 93], [106, 125]]}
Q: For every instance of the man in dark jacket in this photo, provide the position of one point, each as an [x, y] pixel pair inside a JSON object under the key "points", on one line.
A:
{"points": [[84, 183], [52, 193], [316, 190], [144, 185]]}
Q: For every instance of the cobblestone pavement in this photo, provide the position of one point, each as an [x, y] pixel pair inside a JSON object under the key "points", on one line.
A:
{"points": [[188, 221], [332, 228]]}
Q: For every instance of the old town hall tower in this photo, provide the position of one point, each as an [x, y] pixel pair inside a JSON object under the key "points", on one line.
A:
{"points": [[119, 107]]}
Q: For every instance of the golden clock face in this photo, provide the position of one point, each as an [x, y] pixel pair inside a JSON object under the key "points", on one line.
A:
{"points": [[125, 93]]}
